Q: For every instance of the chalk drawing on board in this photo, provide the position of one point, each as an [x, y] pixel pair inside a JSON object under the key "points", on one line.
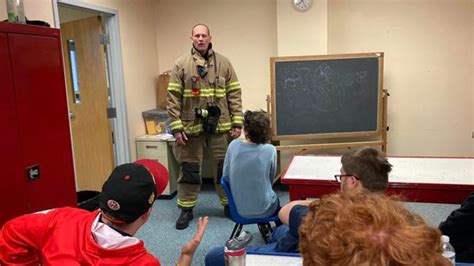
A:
{"points": [[328, 88], [326, 96]]}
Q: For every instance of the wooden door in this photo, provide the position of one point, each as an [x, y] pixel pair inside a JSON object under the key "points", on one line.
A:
{"points": [[91, 128]]}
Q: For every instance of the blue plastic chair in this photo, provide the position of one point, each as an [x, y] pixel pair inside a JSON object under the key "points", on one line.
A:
{"points": [[241, 221]]}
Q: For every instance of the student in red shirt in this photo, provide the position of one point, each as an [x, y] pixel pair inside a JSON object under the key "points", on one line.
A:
{"points": [[71, 236]]}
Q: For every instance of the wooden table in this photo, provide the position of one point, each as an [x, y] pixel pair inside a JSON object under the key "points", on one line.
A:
{"points": [[420, 179]]}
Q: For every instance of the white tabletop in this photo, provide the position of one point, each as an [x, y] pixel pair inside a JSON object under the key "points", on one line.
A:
{"points": [[271, 260], [405, 169]]}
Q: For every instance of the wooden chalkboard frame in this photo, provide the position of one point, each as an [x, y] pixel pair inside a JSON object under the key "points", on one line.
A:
{"points": [[381, 101]]}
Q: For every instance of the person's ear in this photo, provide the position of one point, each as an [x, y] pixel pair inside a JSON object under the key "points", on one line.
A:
{"points": [[351, 182], [210, 38], [355, 183], [147, 215]]}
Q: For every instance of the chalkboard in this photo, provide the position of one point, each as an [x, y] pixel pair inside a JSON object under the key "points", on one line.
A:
{"points": [[332, 95]]}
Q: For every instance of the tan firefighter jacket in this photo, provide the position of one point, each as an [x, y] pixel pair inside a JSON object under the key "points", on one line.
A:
{"points": [[187, 90]]}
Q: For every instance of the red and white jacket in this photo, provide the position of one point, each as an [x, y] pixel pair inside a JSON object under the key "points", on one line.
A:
{"points": [[68, 236]]}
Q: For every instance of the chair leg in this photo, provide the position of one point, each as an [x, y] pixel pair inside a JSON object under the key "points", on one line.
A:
{"points": [[266, 231], [236, 230], [239, 230]]}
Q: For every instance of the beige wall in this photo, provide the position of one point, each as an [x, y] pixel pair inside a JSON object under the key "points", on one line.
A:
{"points": [[428, 47], [34, 10], [428, 72], [472, 81], [302, 33], [243, 31]]}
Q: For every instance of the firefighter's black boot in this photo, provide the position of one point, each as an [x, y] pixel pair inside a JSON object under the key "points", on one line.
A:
{"points": [[184, 218]]}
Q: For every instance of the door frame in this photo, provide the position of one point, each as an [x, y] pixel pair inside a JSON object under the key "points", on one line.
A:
{"points": [[110, 19]]}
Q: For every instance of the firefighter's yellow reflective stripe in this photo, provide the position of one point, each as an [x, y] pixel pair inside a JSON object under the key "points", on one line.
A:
{"points": [[207, 90], [177, 121], [237, 119], [223, 201], [175, 87], [204, 92], [176, 125], [193, 129], [186, 203], [176, 128], [220, 92], [221, 127], [219, 95], [233, 86]]}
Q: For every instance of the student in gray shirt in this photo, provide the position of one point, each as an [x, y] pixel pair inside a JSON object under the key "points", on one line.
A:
{"points": [[250, 167]]}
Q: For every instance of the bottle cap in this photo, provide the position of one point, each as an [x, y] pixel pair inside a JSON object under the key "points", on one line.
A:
{"points": [[444, 238], [234, 244], [234, 253]]}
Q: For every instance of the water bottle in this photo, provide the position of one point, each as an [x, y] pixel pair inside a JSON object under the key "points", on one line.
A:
{"points": [[20, 12], [235, 249], [234, 253], [11, 11], [15, 11], [448, 250]]}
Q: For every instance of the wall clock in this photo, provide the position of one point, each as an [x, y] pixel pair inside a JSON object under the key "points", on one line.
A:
{"points": [[302, 5]]}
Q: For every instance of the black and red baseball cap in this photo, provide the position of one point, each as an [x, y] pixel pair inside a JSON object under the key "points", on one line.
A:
{"points": [[132, 188]]}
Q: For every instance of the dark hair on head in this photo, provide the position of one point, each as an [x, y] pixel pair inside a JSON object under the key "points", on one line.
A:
{"points": [[364, 228], [370, 165], [257, 126], [200, 24]]}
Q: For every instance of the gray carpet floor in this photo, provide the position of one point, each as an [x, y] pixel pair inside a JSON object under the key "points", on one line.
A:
{"points": [[164, 241]]}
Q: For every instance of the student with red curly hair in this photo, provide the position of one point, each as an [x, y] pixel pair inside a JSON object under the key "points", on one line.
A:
{"points": [[360, 228], [362, 169]]}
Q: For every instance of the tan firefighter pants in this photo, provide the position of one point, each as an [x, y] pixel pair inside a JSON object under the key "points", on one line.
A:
{"points": [[190, 157]]}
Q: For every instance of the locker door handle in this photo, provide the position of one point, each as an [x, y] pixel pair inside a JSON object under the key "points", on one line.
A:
{"points": [[33, 172]]}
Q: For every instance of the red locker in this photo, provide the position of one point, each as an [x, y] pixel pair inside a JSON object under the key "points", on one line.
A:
{"points": [[36, 165]]}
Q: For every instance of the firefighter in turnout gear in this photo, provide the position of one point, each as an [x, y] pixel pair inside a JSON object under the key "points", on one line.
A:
{"points": [[205, 107]]}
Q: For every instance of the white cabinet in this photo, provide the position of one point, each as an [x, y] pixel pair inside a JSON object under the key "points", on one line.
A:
{"points": [[151, 147]]}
